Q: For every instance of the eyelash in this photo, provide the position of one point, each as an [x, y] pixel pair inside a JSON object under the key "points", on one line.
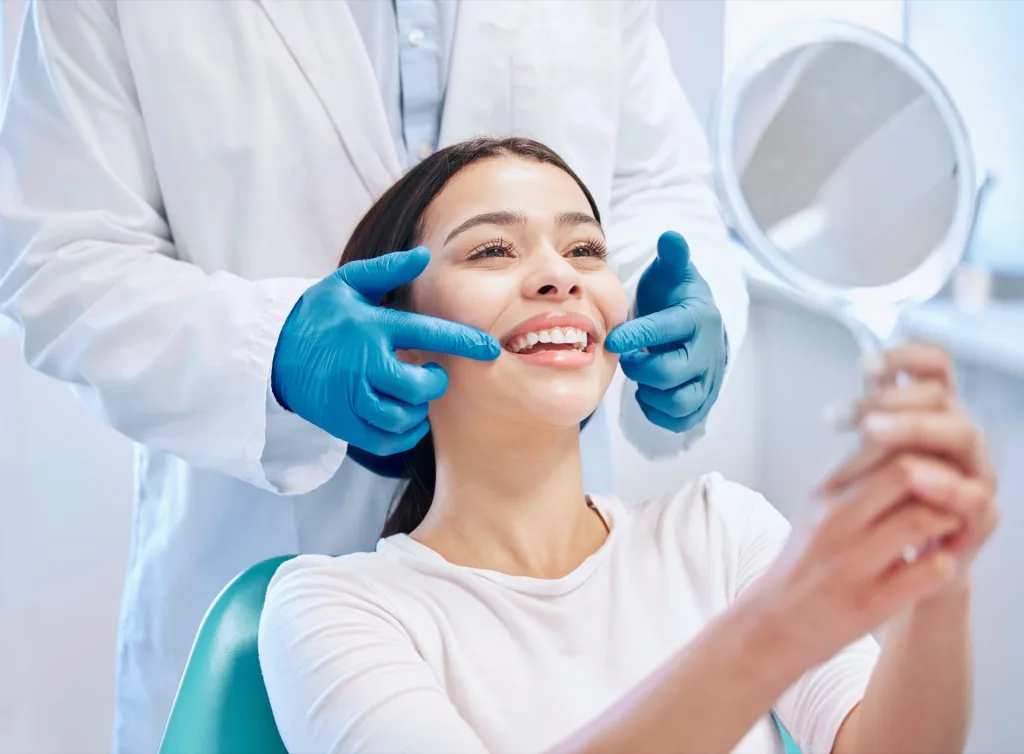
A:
{"points": [[595, 246]]}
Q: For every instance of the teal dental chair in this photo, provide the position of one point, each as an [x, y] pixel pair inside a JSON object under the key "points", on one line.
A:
{"points": [[222, 705]]}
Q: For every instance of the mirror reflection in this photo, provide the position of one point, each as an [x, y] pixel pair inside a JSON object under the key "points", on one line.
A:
{"points": [[846, 164]]}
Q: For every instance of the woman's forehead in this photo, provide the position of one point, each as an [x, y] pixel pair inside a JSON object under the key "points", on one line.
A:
{"points": [[534, 190]]}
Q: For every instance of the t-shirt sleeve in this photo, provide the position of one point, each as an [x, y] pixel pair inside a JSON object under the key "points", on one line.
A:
{"points": [[343, 675], [813, 709]]}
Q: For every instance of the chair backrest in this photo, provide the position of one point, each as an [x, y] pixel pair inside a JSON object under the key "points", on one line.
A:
{"points": [[222, 704]]}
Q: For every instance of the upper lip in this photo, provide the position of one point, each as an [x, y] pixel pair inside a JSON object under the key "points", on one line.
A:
{"points": [[550, 320]]}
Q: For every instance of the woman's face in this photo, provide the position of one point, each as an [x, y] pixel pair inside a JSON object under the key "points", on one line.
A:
{"points": [[515, 251]]}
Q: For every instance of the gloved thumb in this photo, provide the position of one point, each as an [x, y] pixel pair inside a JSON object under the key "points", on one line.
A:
{"points": [[673, 256], [375, 277]]}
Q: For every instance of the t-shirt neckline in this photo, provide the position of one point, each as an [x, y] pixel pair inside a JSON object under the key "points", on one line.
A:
{"points": [[610, 510]]}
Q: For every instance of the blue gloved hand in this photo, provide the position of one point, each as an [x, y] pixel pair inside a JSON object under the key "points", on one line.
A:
{"points": [[335, 363], [680, 373]]}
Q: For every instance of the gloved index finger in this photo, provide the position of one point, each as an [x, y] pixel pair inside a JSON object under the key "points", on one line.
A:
{"points": [[375, 277], [669, 325], [419, 332]]}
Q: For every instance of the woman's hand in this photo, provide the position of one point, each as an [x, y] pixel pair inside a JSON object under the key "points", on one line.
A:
{"points": [[919, 696], [939, 446], [897, 522]]}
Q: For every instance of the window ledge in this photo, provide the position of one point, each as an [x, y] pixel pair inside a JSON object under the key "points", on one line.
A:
{"points": [[992, 338]]}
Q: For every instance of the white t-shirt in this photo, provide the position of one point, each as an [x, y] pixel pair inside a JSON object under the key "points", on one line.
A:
{"points": [[401, 651]]}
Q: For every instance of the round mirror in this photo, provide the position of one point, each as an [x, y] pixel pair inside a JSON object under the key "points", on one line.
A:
{"points": [[846, 169]]}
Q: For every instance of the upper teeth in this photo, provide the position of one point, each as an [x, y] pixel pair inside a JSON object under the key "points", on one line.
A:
{"points": [[571, 335]]}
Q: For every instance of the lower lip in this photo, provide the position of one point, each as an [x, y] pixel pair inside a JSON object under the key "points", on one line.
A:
{"points": [[562, 359]]}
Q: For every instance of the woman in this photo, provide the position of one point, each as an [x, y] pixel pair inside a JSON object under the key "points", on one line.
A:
{"points": [[505, 610]]}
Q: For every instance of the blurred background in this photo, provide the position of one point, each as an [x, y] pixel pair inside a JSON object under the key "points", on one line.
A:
{"points": [[66, 480]]}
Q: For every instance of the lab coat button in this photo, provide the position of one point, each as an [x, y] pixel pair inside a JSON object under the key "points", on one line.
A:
{"points": [[425, 150], [416, 37]]}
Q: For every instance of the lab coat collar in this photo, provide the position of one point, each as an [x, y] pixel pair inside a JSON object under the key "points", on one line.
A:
{"points": [[340, 72]]}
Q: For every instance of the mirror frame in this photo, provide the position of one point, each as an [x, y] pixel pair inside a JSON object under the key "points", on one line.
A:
{"points": [[918, 285]]}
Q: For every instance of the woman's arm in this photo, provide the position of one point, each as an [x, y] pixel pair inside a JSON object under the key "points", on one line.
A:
{"points": [[707, 697], [919, 698], [929, 487]]}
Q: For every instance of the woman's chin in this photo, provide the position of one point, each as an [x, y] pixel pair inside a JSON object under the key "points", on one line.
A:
{"points": [[565, 407], [541, 397]]}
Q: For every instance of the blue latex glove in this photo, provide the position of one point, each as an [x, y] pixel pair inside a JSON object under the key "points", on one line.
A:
{"points": [[335, 363], [680, 373]]}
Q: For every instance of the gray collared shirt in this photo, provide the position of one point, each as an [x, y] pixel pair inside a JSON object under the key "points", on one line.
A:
{"points": [[409, 43]]}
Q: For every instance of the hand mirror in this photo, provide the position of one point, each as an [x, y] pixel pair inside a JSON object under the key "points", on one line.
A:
{"points": [[845, 167]]}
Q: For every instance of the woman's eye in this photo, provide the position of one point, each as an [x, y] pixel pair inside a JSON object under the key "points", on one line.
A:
{"points": [[493, 251], [588, 250]]}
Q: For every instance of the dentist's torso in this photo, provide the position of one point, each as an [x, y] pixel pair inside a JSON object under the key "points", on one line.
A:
{"points": [[270, 138]]}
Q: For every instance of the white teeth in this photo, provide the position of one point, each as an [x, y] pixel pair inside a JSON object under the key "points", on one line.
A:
{"points": [[567, 335]]}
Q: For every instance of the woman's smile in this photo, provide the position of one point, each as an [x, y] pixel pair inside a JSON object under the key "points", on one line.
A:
{"points": [[564, 340]]}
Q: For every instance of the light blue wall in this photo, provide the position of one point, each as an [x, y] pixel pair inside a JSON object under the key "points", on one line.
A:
{"points": [[975, 48]]}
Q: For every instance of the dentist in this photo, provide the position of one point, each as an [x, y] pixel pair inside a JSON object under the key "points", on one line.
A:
{"points": [[178, 179]]}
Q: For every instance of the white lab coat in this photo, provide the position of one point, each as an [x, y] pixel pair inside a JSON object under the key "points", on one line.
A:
{"points": [[176, 174]]}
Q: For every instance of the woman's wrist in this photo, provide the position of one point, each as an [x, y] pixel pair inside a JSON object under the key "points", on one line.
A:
{"points": [[938, 618], [951, 601], [772, 641]]}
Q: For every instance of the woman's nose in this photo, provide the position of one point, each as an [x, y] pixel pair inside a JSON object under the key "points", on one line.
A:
{"points": [[554, 278]]}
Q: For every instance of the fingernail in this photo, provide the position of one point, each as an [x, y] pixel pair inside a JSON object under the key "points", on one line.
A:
{"points": [[879, 425]]}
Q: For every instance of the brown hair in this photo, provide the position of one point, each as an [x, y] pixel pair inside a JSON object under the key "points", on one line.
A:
{"points": [[394, 223]]}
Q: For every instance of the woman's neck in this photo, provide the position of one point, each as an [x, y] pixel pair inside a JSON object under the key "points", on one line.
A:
{"points": [[510, 501]]}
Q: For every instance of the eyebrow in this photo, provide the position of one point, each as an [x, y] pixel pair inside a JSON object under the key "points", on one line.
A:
{"points": [[513, 217], [570, 219]]}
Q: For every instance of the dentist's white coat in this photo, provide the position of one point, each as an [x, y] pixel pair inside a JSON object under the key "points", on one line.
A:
{"points": [[174, 174]]}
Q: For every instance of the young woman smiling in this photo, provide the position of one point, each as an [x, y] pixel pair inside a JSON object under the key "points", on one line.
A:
{"points": [[505, 610]]}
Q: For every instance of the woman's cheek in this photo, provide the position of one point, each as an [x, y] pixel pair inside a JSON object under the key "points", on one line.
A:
{"points": [[612, 301], [468, 299], [475, 300], [620, 315]]}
